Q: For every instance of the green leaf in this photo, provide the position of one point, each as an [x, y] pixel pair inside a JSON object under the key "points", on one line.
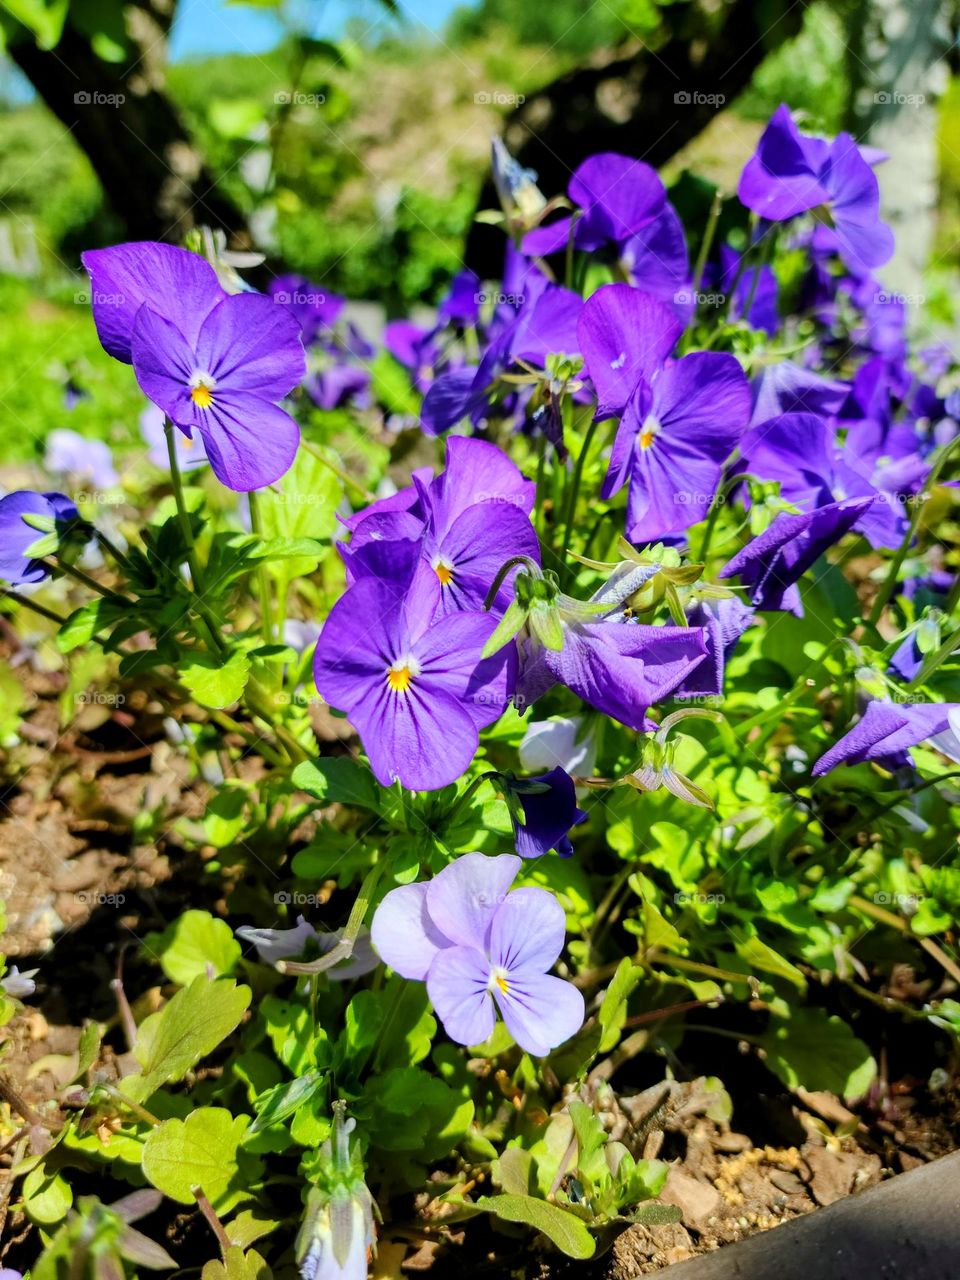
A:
{"points": [[237, 1265], [215, 684], [84, 623], [508, 626], [283, 1100], [201, 1151], [173, 1040], [563, 1229], [46, 1197], [759, 956], [818, 1051], [196, 943], [44, 18], [339, 781], [613, 1010], [303, 505], [391, 385], [226, 814]]}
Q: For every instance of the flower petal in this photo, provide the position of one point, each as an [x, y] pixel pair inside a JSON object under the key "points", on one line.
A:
{"points": [[625, 335], [403, 934], [250, 442], [527, 931], [541, 1012], [251, 343], [457, 985], [172, 281], [463, 898]]}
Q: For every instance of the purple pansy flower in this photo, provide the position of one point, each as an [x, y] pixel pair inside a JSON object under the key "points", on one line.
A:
{"points": [[316, 310], [461, 305], [72, 454], [800, 451], [415, 690], [679, 420], [567, 741], [724, 621], [787, 388], [481, 946], [17, 536], [461, 527], [416, 348], [885, 731], [212, 361], [549, 804], [773, 563], [793, 173], [617, 197], [656, 260], [620, 668]]}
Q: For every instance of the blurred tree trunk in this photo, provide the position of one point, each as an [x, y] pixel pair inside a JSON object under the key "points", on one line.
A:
{"points": [[898, 70], [648, 101], [120, 115]]}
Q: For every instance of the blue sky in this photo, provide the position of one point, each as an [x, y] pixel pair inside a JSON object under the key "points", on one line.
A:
{"points": [[215, 26]]}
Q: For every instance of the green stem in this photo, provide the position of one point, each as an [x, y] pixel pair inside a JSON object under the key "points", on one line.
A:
{"points": [[338, 471], [113, 549], [71, 571], [468, 794], [706, 244], [890, 582], [801, 686], [769, 240], [568, 265], [571, 505], [263, 576], [351, 930], [934, 660], [40, 609], [177, 481]]}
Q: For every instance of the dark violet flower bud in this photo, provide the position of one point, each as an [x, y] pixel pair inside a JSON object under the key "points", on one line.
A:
{"points": [[543, 810], [33, 525]]}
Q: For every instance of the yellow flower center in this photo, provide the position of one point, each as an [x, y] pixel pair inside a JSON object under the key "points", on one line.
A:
{"points": [[499, 978], [646, 439], [444, 571], [401, 674], [201, 390]]}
